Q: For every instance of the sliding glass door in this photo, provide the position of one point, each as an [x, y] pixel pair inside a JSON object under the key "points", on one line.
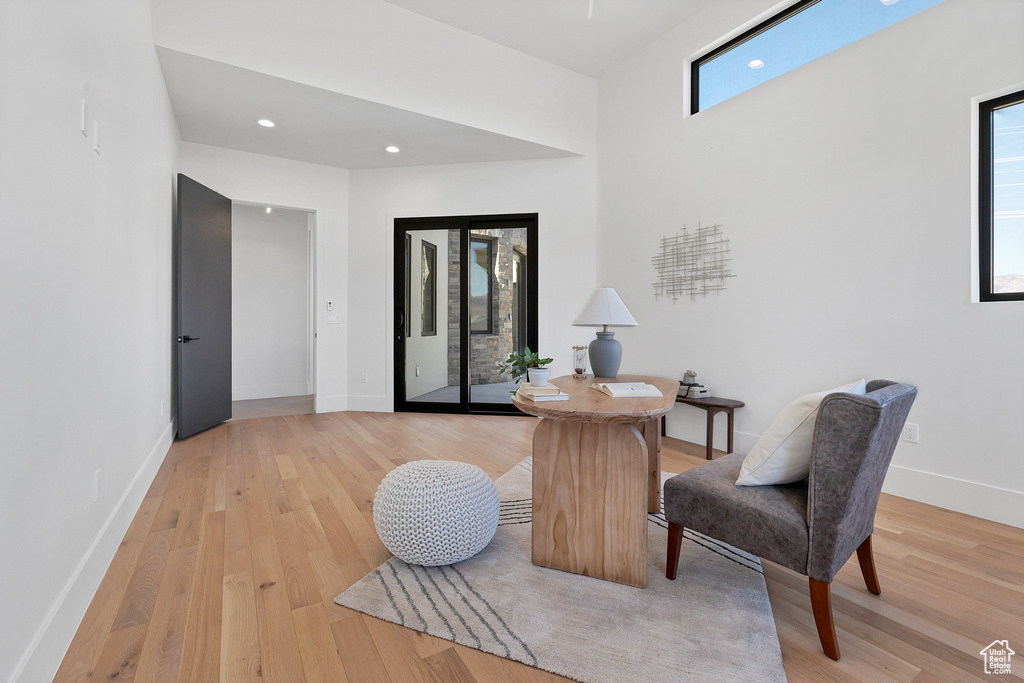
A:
{"points": [[465, 297]]}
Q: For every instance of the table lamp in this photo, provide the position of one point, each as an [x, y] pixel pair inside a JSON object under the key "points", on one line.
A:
{"points": [[604, 309]]}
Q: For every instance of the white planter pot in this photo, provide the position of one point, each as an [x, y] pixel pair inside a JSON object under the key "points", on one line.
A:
{"points": [[538, 376]]}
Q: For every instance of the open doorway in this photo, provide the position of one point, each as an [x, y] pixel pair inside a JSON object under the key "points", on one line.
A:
{"points": [[272, 315]]}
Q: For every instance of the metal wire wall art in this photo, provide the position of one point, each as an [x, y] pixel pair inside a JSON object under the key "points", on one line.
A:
{"points": [[692, 263]]}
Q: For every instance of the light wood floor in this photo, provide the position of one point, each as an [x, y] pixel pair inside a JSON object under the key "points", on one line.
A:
{"points": [[229, 569], [272, 407]]}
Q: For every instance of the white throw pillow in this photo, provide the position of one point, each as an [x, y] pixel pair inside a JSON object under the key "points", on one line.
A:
{"points": [[783, 453]]}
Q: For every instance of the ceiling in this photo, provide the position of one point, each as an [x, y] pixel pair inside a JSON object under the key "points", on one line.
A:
{"points": [[218, 104], [558, 31]]}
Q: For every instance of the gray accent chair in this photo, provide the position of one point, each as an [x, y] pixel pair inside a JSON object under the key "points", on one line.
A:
{"points": [[814, 526]]}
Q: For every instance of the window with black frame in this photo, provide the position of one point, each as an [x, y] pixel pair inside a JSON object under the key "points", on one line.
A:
{"points": [[428, 317], [800, 33], [481, 295], [1001, 198]]}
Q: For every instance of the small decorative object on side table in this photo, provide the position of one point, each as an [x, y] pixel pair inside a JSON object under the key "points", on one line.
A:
{"points": [[579, 357], [689, 388]]}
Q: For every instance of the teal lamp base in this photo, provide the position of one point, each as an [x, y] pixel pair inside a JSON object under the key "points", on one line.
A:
{"points": [[605, 355]]}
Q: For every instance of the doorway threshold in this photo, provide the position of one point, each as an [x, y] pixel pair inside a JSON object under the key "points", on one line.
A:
{"points": [[272, 407]]}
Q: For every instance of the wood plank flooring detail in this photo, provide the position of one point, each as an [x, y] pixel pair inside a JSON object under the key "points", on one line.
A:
{"points": [[229, 570]]}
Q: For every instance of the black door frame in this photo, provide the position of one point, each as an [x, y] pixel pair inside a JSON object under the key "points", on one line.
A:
{"points": [[465, 225]]}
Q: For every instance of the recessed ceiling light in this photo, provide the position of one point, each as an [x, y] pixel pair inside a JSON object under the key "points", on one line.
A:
{"points": [[268, 209], [392, 149], [889, 2], [755, 64], [266, 123]]}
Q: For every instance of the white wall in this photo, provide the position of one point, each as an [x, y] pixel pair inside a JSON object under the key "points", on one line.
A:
{"points": [[85, 300], [561, 191], [845, 188], [257, 179], [429, 352], [383, 53], [270, 308]]}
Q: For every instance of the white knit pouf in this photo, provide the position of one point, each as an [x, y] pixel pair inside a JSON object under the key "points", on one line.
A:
{"points": [[435, 512]]}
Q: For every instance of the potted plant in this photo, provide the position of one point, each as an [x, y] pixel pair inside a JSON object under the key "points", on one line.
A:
{"points": [[526, 363]]}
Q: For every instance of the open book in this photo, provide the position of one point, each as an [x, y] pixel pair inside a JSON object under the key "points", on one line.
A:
{"points": [[628, 389]]}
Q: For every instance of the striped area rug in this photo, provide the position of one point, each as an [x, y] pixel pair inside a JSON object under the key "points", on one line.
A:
{"points": [[714, 623]]}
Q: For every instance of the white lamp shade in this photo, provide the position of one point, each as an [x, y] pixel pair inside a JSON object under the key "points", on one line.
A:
{"points": [[605, 308]]}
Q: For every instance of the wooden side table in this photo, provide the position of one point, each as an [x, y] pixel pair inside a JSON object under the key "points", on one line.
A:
{"points": [[712, 405], [596, 475]]}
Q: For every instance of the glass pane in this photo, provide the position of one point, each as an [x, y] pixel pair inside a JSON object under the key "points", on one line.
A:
{"points": [[432, 347], [815, 31], [408, 284], [498, 309], [428, 287], [481, 286], [1008, 199]]}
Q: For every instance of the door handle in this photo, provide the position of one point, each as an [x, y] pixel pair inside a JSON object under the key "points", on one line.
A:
{"points": [[186, 339]]}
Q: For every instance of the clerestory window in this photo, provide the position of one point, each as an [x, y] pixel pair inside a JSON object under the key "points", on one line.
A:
{"points": [[797, 35]]}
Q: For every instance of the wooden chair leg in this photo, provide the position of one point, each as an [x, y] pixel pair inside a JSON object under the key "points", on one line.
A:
{"points": [[821, 605], [675, 544], [867, 566]]}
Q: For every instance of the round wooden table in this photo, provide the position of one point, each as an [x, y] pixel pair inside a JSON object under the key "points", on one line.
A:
{"points": [[596, 475]]}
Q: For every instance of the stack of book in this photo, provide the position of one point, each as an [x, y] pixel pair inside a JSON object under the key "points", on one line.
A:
{"points": [[548, 392]]}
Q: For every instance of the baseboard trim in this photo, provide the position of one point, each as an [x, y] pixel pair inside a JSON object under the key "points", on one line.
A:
{"points": [[969, 497], [372, 404], [330, 404], [43, 656], [269, 391], [695, 431]]}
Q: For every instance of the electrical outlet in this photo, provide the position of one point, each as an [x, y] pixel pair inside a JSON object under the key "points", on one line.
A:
{"points": [[364, 378], [911, 432]]}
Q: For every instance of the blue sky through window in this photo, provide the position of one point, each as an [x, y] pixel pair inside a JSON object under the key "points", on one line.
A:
{"points": [[479, 272], [1008, 192], [821, 28]]}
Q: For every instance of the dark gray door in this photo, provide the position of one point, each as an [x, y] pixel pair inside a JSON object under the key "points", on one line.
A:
{"points": [[203, 250]]}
